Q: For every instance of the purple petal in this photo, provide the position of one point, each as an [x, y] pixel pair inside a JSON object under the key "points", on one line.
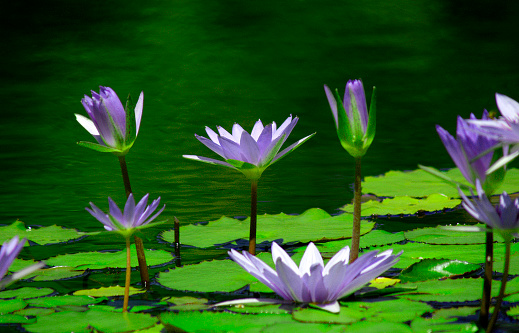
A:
{"points": [[237, 130], [114, 107], [265, 139], [141, 207], [129, 211], [333, 104], [249, 148], [311, 257], [357, 89], [454, 150], [231, 150], [508, 107], [211, 145], [208, 160], [314, 283], [257, 130], [290, 279], [115, 212], [225, 134], [281, 130]]}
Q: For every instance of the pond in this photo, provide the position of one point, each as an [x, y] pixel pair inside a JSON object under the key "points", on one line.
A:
{"points": [[204, 63]]}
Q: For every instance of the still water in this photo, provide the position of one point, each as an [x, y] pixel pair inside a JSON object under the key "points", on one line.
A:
{"points": [[208, 63]]}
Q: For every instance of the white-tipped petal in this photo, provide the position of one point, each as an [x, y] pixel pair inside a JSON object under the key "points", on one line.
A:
{"points": [[87, 124], [138, 112]]}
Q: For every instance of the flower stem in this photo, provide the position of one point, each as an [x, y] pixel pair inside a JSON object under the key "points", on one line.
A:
{"points": [[128, 276], [253, 216], [487, 280], [502, 289], [357, 193], [143, 267], [178, 261]]}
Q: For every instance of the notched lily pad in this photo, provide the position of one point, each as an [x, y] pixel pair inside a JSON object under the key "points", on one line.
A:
{"points": [[107, 291], [419, 183], [405, 205], [432, 269], [42, 236], [441, 236], [25, 293], [313, 225], [100, 260]]}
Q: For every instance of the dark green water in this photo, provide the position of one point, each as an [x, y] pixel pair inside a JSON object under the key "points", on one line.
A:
{"points": [[208, 63]]}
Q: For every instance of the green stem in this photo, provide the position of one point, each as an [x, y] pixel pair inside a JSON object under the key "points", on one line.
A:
{"points": [[487, 280], [357, 193], [141, 257], [128, 276], [502, 289], [253, 217]]}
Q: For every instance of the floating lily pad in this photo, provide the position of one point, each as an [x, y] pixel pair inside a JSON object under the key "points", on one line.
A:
{"points": [[102, 321], [438, 235], [375, 327], [54, 301], [442, 325], [372, 238], [432, 269], [44, 235], [25, 293], [195, 321], [462, 311], [313, 225], [11, 318], [456, 290], [107, 291], [55, 273], [187, 303], [100, 260], [405, 205], [419, 183], [11, 305]]}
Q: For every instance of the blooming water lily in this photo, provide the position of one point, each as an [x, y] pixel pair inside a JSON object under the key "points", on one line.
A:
{"points": [[8, 253], [313, 282], [249, 153], [134, 216], [114, 127]]}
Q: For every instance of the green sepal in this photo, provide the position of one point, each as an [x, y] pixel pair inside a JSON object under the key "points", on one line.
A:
{"points": [[443, 176], [130, 121], [344, 127], [372, 121], [250, 171], [274, 151], [98, 147]]}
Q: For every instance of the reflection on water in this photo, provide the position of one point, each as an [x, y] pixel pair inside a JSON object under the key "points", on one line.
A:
{"points": [[231, 61]]}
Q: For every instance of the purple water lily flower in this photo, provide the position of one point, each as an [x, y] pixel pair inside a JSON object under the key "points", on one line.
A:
{"points": [[8, 253], [503, 218], [356, 130], [134, 216], [113, 127], [249, 153], [313, 282], [469, 144]]}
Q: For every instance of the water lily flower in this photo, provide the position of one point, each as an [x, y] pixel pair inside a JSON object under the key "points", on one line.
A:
{"points": [[313, 282], [114, 127], [249, 153], [8, 253], [355, 128], [468, 149], [503, 218], [134, 216]]}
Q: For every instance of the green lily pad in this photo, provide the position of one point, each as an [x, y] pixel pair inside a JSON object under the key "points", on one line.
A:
{"points": [[207, 321], [256, 308], [462, 311], [15, 319], [405, 205], [54, 301], [11, 305], [313, 225], [376, 327], [443, 325], [438, 235], [419, 183], [42, 236], [102, 321], [25, 293], [35, 312], [107, 291], [455, 290], [513, 311], [100, 260], [187, 303], [372, 238], [55, 273], [432, 269]]}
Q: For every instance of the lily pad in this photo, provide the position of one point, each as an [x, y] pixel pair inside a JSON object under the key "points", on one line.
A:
{"points": [[25, 293], [313, 225], [455, 290], [107, 291], [10, 318], [100, 260], [103, 321], [375, 327], [405, 205], [42, 236], [432, 269], [54, 301], [419, 183], [11, 305], [441, 236], [442, 325], [55, 273]]}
